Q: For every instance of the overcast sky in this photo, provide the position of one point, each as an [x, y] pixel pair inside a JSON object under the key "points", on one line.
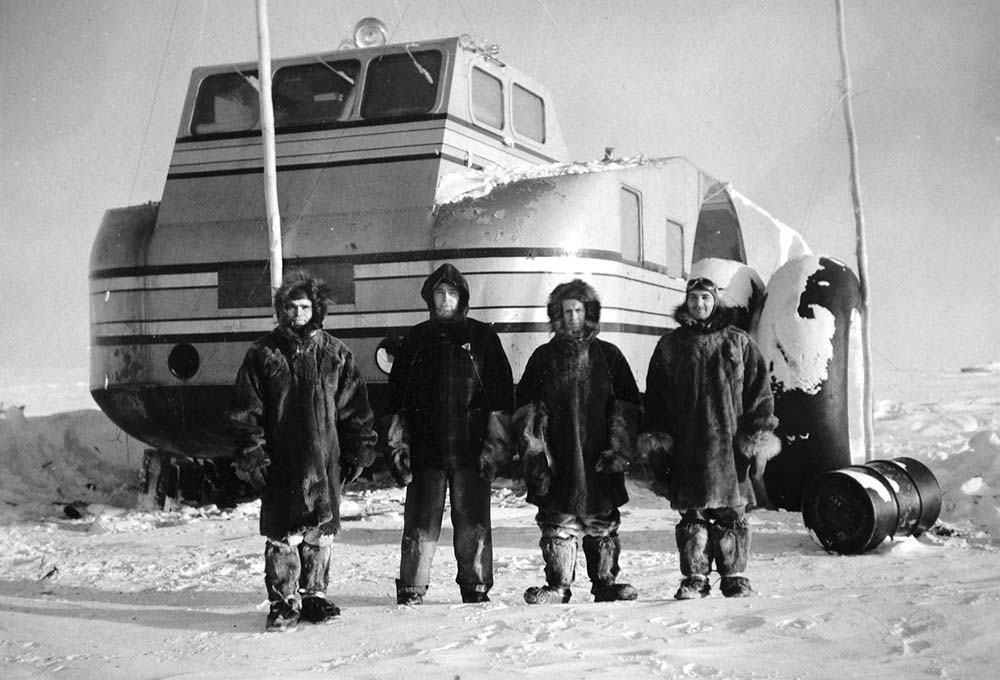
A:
{"points": [[748, 90]]}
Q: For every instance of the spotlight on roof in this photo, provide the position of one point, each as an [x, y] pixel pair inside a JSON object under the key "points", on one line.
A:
{"points": [[370, 32]]}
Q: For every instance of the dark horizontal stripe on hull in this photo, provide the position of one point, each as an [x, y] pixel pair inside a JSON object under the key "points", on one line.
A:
{"points": [[355, 124], [201, 174], [370, 258], [331, 315], [348, 333], [157, 290]]}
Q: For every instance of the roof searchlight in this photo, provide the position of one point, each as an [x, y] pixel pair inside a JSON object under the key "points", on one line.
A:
{"points": [[370, 32]]}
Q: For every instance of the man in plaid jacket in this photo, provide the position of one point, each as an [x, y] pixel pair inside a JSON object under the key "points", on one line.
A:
{"points": [[451, 393]]}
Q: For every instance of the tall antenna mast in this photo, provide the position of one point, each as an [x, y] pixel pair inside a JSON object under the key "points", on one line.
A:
{"points": [[267, 137], [862, 248]]}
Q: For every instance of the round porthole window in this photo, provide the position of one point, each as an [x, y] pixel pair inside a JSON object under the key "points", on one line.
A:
{"points": [[183, 361]]}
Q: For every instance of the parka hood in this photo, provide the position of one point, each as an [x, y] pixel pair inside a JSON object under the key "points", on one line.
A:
{"points": [[449, 274], [317, 292], [575, 290]]}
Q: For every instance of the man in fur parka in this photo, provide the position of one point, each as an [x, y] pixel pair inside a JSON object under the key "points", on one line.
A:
{"points": [[708, 430], [576, 424], [303, 428], [451, 394]]}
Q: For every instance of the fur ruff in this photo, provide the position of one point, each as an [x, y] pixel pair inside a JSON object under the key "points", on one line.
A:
{"points": [[574, 290], [721, 317], [318, 293]]}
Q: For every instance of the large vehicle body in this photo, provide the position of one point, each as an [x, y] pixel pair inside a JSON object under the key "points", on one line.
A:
{"points": [[373, 146]]}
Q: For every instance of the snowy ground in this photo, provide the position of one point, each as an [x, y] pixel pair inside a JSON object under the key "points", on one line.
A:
{"points": [[125, 594]]}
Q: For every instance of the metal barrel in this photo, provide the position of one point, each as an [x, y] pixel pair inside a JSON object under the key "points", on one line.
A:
{"points": [[854, 509]]}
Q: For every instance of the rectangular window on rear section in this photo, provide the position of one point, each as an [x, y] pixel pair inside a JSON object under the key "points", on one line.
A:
{"points": [[487, 99], [529, 114], [226, 102], [631, 216], [401, 84], [675, 250], [314, 94], [244, 286]]}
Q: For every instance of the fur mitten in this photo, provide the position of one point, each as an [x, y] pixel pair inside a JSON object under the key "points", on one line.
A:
{"points": [[398, 450], [251, 467], [657, 448], [498, 450], [753, 451], [531, 424]]}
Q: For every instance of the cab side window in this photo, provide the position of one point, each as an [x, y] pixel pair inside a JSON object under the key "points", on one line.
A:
{"points": [[227, 102], [529, 114], [314, 94], [401, 84], [487, 99]]}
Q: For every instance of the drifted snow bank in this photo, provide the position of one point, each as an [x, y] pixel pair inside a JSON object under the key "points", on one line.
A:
{"points": [[49, 461]]}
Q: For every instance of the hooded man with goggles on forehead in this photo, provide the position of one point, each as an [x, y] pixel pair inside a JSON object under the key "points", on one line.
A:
{"points": [[708, 431]]}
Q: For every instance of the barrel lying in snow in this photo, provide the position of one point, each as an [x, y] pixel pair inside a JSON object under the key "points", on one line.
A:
{"points": [[853, 510]]}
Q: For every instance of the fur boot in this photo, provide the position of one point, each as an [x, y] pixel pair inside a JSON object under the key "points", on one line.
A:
{"points": [[282, 569], [695, 556], [731, 544], [560, 570], [693, 587], [313, 581], [602, 568], [694, 547]]}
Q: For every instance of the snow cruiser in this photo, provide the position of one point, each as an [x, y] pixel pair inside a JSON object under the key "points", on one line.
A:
{"points": [[391, 159]]}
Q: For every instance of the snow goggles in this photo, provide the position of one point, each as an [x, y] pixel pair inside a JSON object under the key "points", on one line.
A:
{"points": [[701, 283]]}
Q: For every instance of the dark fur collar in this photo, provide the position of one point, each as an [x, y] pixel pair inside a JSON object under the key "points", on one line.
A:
{"points": [[570, 345], [291, 339], [721, 318]]}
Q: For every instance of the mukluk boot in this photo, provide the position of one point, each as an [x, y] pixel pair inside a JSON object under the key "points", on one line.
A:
{"points": [[281, 576], [731, 543], [560, 569], [313, 582], [695, 551], [602, 553]]}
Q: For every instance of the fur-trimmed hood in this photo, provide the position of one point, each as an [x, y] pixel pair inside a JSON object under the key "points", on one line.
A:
{"points": [[447, 273], [317, 292], [722, 316], [576, 289]]}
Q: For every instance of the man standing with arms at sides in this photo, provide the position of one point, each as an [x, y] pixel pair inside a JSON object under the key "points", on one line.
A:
{"points": [[708, 432], [450, 397], [576, 424], [303, 428]]}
